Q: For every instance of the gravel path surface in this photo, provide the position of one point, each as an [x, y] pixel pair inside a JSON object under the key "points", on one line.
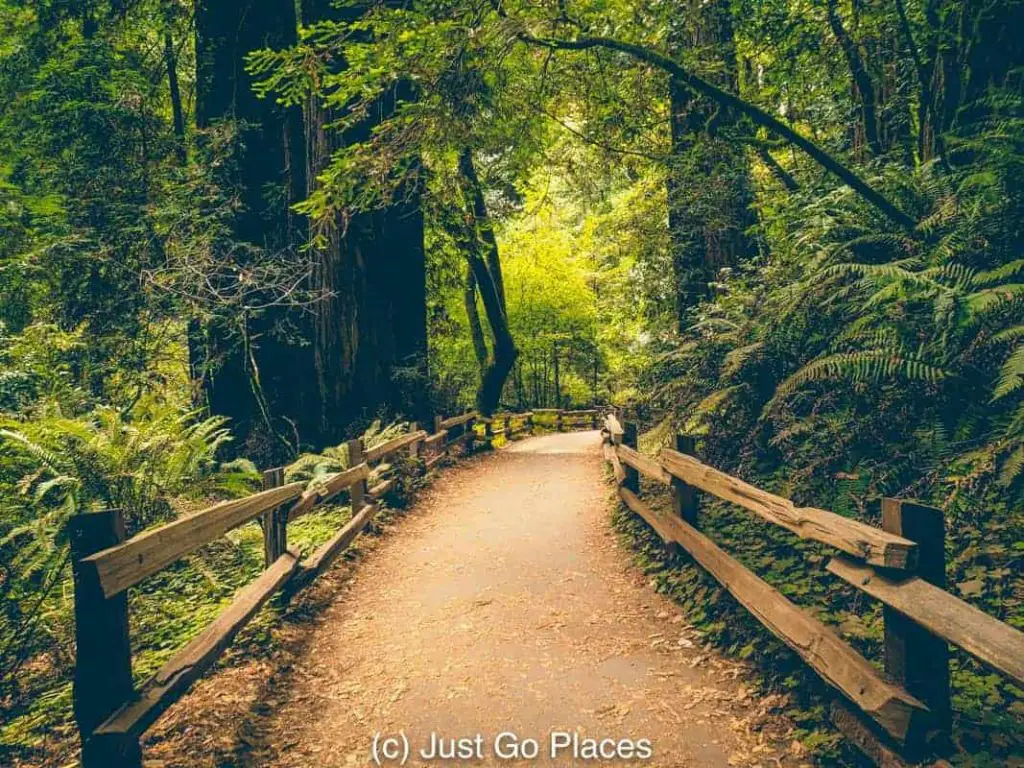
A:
{"points": [[502, 603]]}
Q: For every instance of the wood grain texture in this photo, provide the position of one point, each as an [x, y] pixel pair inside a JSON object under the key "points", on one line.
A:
{"points": [[647, 466], [391, 446], [863, 737], [895, 710], [323, 491], [851, 536], [614, 428], [381, 489], [435, 438], [612, 458], [176, 676], [326, 554], [455, 421], [125, 565], [103, 672], [998, 645]]}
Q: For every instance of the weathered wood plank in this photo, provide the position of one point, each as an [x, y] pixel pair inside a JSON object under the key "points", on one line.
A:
{"points": [[614, 429], [851, 536], [382, 488], [992, 642], [895, 710], [455, 421], [629, 439], [863, 737], [321, 492], [188, 665], [125, 565], [612, 458], [325, 555], [435, 438], [392, 445], [647, 466]]}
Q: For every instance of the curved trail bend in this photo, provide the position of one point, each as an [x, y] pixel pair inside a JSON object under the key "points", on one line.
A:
{"points": [[501, 602]]}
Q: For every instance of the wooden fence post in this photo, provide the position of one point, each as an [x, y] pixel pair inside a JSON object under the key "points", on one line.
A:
{"points": [[414, 447], [357, 491], [275, 521], [507, 426], [593, 420], [469, 438], [558, 420], [529, 422], [685, 502], [914, 657], [629, 438], [103, 655]]}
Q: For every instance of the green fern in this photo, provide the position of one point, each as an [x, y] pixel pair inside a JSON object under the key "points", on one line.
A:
{"points": [[873, 365]]}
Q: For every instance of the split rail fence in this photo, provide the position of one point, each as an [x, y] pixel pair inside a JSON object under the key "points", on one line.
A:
{"points": [[901, 714], [111, 714]]}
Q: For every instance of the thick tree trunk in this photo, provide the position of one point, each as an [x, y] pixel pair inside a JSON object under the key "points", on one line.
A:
{"points": [[708, 183], [249, 372], [370, 330]]}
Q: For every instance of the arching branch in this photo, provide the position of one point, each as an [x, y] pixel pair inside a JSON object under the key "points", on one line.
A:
{"points": [[731, 101]]}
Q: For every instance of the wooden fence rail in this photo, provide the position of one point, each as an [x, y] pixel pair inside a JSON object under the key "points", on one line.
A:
{"points": [[901, 714], [111, 714]]}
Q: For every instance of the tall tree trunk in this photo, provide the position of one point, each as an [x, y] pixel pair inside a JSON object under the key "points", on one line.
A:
{"points": [[177, 111], [370, 330], [558, 381], [483, 221], [863, 88], [484, 261], [929, 142], [476, 330], [249, 373], [708, 182], [195, 333]]}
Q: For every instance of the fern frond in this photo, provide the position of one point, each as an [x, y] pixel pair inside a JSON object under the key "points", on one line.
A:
{"points": [[735, 359], [1011, 374], [874, 365]]}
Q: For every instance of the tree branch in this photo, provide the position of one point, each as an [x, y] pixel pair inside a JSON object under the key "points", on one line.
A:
{"points": [[726, 99]]}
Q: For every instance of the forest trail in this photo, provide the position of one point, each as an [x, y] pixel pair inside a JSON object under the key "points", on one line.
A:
{"points": [[503, 602]]}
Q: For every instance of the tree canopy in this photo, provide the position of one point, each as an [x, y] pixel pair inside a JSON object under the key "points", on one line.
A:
{"points": [[235, 234]]}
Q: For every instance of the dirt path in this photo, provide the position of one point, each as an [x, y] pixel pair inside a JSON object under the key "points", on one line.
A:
{"points": [[502, 603]]}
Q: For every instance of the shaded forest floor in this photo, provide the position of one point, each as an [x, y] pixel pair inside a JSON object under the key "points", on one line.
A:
{"points": [[502, 603]]}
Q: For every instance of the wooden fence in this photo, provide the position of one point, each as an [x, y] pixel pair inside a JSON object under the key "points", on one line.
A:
{"points": [[901, 714], [111, 714]]}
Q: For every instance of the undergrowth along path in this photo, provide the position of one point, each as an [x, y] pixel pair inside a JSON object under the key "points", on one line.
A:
{"points": [[502, 602]]}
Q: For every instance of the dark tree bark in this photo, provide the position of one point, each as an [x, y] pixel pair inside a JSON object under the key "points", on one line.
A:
{"points": [[476, 330], [370, 331], [780, 173], [708, 184], [177, 111], [731, 101], [558, 380], [250, 372], [863, 88], [482, 252]]}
